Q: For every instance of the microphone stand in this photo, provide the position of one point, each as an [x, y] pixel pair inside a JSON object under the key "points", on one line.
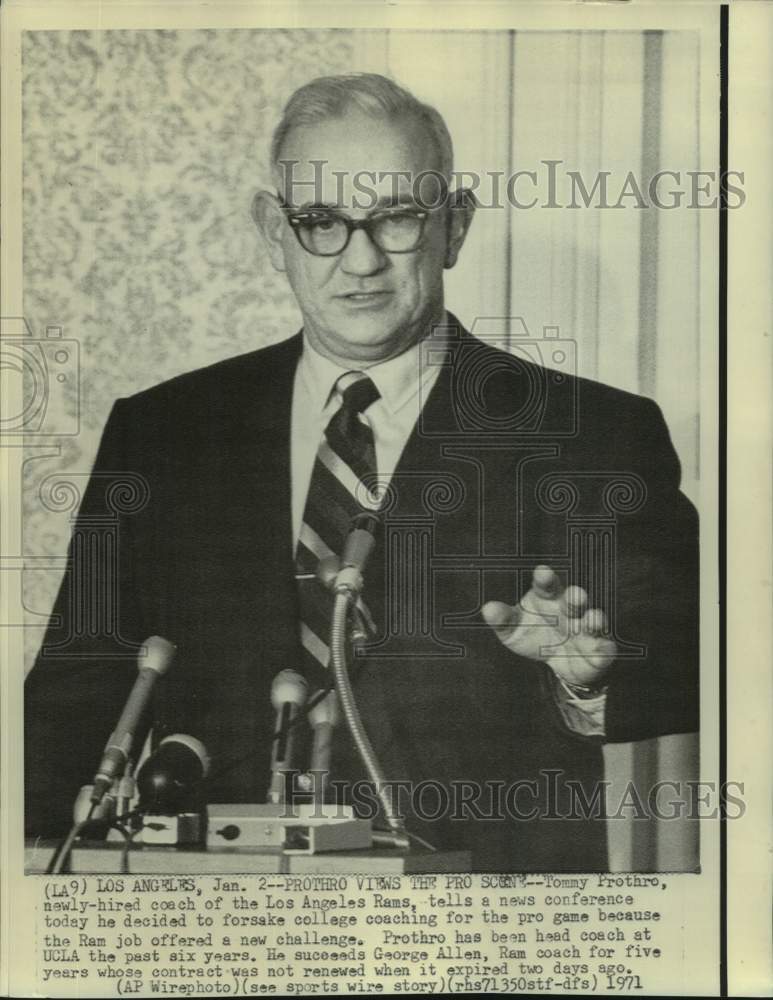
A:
{"points": [[345, 600]]}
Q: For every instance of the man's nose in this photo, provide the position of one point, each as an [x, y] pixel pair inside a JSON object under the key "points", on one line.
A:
{"points": [[362, 256]]}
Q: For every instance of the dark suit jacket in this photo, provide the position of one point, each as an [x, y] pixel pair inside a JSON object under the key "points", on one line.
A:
{"points": [[509, 466]]}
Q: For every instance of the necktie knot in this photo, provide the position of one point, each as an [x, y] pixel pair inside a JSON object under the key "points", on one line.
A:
{"points": [[357, 391]]}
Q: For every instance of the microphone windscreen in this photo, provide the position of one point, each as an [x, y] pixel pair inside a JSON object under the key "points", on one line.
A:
{"points": [[156, 654], [360, 540], [288, 687], [172, 774]]}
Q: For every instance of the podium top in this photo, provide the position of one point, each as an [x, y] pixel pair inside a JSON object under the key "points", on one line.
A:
{"points": [[99, 858]]}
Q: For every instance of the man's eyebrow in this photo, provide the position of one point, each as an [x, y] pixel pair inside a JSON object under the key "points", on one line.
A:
{"points": [[392, 200], [317, 206], [385, 201]]}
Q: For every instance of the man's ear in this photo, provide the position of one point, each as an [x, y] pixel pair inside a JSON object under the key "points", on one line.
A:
{"points": [[461, 209], [269, 218]]}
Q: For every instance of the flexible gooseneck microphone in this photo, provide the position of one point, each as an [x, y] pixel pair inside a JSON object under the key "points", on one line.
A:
{"points": [[154, 661], [348, 586]]}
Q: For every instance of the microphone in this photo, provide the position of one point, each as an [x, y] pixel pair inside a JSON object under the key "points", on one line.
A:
{"points": [[357, 549], [173, 771], [364, 627], [288, 696], [323, 718], [154, 660]]}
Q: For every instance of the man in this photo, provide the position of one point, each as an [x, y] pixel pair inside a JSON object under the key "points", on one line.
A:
{"points": [[534, 584]]}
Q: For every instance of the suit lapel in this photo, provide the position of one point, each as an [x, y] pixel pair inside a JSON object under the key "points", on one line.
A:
{"points": [[255, 495], [268, 433]]}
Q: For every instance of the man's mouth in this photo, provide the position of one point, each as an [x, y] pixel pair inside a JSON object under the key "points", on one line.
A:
{"points": [[369, 296]]}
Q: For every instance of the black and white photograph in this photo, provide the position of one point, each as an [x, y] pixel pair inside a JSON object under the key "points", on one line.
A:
{"points": [[368, 450], [488, 487]]}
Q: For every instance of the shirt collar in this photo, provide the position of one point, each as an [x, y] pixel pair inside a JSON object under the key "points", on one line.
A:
{"points": [[397, 380], [318, 375]]}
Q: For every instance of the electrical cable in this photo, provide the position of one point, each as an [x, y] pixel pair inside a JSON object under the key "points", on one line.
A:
{"points": [[62, 853]]}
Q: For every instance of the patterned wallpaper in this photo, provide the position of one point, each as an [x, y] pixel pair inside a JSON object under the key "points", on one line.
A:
{"points": [[142, 150]]}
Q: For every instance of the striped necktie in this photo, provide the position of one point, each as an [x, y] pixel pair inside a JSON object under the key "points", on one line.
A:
{"points": [[344, 469]]}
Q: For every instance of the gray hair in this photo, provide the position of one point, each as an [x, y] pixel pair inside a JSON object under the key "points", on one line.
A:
{"points": [[329, 97]]}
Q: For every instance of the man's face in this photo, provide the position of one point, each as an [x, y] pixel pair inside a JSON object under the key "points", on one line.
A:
{"points": [[365, 304]]}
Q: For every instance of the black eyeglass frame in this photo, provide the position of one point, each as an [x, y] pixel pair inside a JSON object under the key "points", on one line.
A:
{"points": [[295, 217]]}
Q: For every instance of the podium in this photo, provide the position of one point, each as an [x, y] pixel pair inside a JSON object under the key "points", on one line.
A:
{"points": [[101, 858]]}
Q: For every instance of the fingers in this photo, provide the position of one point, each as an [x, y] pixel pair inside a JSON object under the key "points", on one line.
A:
{"points": [[594, 622], [598, 649], [547, 585], [545, 582], [547, 604], [575, 600], [501, 617]]}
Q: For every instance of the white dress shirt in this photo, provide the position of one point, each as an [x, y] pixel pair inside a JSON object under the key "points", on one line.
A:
{"points": [[404, 383]]}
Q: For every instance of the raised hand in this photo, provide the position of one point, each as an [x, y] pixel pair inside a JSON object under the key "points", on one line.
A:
{"points": [[554, 626]]}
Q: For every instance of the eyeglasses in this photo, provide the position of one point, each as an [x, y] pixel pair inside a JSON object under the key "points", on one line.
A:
{"points": [[326, 233]]}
